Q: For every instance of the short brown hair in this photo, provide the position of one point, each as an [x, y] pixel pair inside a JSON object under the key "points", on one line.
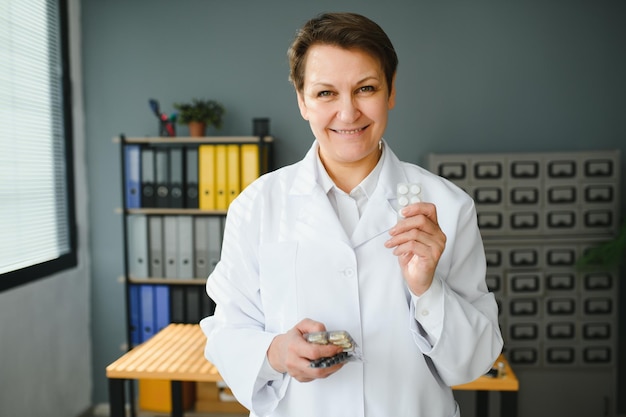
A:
{"points": [[345, 30]]}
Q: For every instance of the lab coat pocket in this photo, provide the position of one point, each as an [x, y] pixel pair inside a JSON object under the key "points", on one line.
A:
{"points": [[277, 285]]}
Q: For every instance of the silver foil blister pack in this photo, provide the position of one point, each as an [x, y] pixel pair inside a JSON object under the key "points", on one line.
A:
{"points": [[342, 338]]}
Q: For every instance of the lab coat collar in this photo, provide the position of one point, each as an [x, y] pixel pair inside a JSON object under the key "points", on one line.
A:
{"points": [[318, 215], [380, 214]]}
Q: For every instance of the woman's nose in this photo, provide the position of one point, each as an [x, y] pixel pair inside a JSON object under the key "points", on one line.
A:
{"points": [[348, 111]]}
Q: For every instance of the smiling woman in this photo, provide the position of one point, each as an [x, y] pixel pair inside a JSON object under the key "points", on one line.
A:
{"points": [[345, 99], [37, 222], [323, 245]]}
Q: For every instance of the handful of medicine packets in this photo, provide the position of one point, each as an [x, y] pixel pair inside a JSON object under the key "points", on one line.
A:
{"points": [[341, 338], [408, 193]]}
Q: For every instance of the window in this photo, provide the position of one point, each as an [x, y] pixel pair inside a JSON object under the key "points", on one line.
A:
{"points": [[37, 220]]}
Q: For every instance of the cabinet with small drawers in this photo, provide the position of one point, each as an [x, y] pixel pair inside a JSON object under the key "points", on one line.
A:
{"points": [[538, 213]]}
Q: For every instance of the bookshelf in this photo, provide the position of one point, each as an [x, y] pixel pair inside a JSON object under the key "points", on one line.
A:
{"points": [[176, 192], [175, 196]]}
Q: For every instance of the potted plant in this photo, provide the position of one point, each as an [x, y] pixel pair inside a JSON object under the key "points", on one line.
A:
{"points": [[200, 114]]}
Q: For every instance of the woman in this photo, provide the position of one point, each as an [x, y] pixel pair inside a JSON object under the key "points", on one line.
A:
{"points": [[320, 245]]}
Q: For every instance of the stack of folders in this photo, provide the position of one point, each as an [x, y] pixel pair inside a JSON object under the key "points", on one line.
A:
{"points": [[178, 247], [173, 247], [153, 307], [206, 177]]}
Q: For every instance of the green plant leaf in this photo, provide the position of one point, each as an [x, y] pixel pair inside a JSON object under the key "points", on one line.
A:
{"points": [[209, 112], [610, 253]]}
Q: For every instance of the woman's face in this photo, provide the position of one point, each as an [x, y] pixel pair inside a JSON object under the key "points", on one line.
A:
{"points": [[346, 100]]}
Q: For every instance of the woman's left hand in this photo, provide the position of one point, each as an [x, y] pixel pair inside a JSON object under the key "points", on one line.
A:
{"points": [[418, 241]]}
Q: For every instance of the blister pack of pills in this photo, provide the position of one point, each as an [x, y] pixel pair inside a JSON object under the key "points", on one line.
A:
{"points": [[341, 338], [408, 193]]}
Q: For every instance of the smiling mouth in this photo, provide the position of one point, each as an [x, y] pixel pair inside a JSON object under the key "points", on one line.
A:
{"points": [[349, 132]]}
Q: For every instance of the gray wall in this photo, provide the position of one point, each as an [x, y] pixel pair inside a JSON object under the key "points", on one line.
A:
{"points": [[45, 335], [476, 76]]}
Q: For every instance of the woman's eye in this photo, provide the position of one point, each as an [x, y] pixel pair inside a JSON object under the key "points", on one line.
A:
{"points": [[324, 94], [367, 89]]}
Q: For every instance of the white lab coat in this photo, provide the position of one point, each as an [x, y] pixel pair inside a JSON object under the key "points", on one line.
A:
{"points": [[286, 257]]}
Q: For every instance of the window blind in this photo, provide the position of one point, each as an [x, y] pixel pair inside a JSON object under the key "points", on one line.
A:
{"points": [[36, 219]]}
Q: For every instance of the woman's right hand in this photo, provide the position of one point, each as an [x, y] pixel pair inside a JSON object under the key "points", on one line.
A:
{"points": [[290, 352]]}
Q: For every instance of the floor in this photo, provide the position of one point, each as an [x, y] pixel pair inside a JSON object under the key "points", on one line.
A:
{"points": [[102, 410]]}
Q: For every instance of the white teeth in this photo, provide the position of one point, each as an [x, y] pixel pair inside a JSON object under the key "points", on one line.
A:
{"points": [[348, 132]]}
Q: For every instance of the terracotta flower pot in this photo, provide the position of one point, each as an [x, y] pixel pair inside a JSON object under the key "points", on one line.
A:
{"points": [[197, 129]]}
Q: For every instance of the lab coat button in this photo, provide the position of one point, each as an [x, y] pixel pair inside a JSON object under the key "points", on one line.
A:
{"points": [[425, 313], [348, 272]]}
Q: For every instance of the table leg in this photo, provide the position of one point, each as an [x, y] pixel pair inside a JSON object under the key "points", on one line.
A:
{"points": [[133, 402], [177, 399], [508, 403], [482, 403], [116, 397]]}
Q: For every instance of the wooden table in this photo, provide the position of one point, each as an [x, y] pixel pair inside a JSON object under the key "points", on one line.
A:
{"points": [[507, 384], [176, 354]]}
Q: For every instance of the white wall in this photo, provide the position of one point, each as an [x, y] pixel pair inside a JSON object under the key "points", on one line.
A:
{"points": [[45, 341]]}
